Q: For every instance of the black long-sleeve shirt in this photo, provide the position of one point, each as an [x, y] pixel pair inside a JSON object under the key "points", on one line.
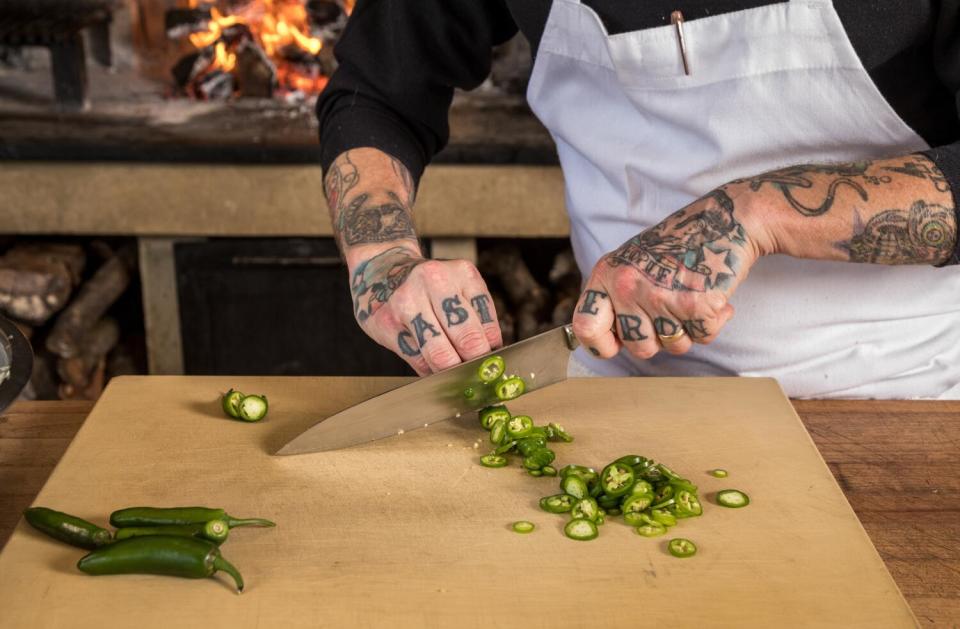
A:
{"points": [[400, 61]]}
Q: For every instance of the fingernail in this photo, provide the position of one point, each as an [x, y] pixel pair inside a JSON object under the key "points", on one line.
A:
{"points": [[593, 351]]}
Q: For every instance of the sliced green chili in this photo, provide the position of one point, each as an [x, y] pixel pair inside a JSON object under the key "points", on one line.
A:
{"points": [[519, 426], [491, 414], [718, 473], [498, 432], [560, 433], [230, 401], [493, 460], [585, 509], [574, 486], [560, 503], [523, 527], [617, 479], [732, 498], [680, 547], [511, 388], [490, 369], [651, 529], [253, 408], [548, 470], [581, 530]]}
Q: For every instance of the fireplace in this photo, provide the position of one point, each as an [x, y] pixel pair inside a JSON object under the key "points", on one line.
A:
{"points": [[194, 81]]}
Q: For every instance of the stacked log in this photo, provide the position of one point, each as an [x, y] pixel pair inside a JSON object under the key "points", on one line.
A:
{"points": [[528, 304], [65, 318]]}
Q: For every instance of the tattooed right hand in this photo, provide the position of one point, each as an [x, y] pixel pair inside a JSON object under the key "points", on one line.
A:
{"points": [[433, 313]]}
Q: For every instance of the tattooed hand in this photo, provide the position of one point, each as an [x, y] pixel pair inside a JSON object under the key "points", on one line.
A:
{"points": [[432, 313], [676, 275], [680, 273]]}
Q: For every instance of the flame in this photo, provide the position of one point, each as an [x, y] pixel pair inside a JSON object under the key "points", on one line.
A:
{"points": [[276, 25]]}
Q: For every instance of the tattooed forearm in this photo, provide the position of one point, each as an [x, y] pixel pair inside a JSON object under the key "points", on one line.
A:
{"points": [[924, 233], [362, 223], [370, 195], [375, 280], [695, 249], [891, 211]]}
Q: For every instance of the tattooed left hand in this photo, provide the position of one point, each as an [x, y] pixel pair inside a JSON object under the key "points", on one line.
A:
{"points": [[678, 274]]}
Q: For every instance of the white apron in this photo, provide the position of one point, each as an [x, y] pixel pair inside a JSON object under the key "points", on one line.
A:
{"points": [[769, 87]]}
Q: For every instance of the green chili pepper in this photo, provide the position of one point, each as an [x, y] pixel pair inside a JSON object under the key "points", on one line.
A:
{"points": [[718, 473], [585, 509], [231, 403], [160, 554], [469, 393], [534, 472], [491, 414], [519, 426], [511, 388], [215, 531], [636, 503], [574, 486], [528, 446], [539, 458], [560, 433], [505, 447], [651, 529], [490, 369], [493, 460], [663, 517], [560, 503], [523, 527], [680, 547], [581, 530], [686, 504], [67, 528], [253, 408], [159, 516], [498, 432], [617, 479], [548, 470], [732, 498]]}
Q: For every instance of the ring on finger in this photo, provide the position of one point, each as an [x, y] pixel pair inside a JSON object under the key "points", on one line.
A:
{"points": [[668, 339]]}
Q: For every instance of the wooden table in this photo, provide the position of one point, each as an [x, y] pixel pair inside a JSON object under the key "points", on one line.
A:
{"points": [[898, 463]]}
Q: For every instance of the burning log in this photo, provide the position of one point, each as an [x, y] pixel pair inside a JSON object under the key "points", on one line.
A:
{"points": [[256, 74], [95, 297], [216, 85], [79, 370], [36, 280]]}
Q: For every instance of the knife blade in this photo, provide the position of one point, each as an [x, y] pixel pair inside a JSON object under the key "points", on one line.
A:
{"points": [[540, 360]]}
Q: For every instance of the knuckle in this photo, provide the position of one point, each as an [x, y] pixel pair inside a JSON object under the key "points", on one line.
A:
{"points": [[585, 327], [473, 341], [644, 351], [624, 281], [441, 356], [431, 270]]}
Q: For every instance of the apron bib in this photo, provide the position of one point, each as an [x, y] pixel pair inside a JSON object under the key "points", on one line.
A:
{"points": [[769, 87]]}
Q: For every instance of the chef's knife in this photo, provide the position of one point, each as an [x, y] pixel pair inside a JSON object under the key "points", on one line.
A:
{"points": [[540, 360]]}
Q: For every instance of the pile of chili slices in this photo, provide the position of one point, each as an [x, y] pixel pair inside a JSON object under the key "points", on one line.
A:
{"points": [[649, 496]]}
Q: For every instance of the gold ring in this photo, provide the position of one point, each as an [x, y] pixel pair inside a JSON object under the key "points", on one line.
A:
{"points": [[668, 339]]}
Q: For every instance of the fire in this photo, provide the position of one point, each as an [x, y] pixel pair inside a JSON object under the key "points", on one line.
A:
{"points": [[278, 27]]}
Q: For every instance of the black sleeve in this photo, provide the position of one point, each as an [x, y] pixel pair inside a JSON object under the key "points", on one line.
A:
{"points": [[946, 56], [399, 61]]}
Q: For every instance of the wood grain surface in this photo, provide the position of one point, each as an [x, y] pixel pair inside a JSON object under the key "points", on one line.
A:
{"points": [[412, 532]]}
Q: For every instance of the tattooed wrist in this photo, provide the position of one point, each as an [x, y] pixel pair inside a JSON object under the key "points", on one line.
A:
{"points": [[370, 196], [375, 280], [698, 248]]}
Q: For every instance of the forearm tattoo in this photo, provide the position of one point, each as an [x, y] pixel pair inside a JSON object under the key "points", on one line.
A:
{"points": [[695, 249], [377, 279], [357, 219], [922, 231]]}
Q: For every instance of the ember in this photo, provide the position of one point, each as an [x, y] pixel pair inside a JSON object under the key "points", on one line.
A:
{"points": [[256, 48]]}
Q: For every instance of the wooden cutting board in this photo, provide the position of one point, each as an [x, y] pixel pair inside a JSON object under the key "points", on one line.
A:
{"points": [[413, 532]]}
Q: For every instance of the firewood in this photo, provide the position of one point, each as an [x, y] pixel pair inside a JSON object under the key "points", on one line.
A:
{"points": [[91, 392], [508, 328], [97, 343], [256, 74], [43, 379], [563, 310], [36, 281], [90, 304], [521, 288], [528, 324]]}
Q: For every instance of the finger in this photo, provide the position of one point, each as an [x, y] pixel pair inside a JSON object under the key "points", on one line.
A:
{"points": [[704, 331], [398, 339], [593, 323], [430, 338], [667, 327], [634, 328], [461, 324], [482, 304]]}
